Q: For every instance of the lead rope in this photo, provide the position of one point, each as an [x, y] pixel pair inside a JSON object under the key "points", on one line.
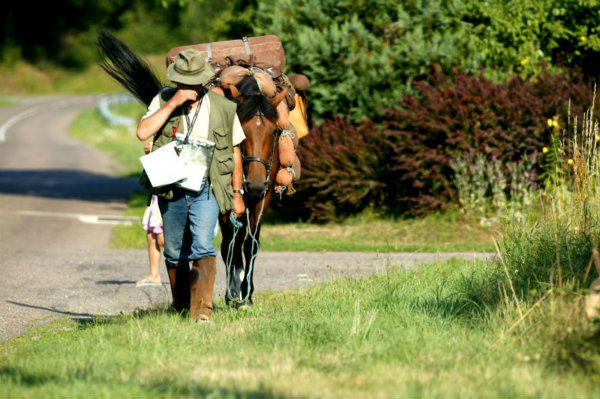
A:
{"points": [[254, 253], [237, 225]]}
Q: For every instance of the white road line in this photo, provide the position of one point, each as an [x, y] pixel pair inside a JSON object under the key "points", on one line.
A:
{"points": [[38, 108], [81, 217], [18, 117]]}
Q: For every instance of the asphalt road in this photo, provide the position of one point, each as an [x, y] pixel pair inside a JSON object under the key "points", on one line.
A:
{"points": [[59, 199]]}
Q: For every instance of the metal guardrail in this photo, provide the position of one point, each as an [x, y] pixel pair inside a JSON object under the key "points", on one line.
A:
{"points": [[116, 120]]}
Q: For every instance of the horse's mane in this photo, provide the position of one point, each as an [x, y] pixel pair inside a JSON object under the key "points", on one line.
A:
{"points": [[253, 101]]}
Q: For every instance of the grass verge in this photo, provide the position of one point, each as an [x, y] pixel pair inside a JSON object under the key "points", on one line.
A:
{"points": [[434, 233], [447, 232], [119, 141], [5, 102], [439, 331]]}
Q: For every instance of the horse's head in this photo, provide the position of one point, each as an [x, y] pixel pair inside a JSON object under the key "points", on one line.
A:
{"points": [[258, 116]]}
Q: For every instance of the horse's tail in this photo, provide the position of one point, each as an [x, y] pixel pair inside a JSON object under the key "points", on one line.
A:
{"points": [[127, 68]]}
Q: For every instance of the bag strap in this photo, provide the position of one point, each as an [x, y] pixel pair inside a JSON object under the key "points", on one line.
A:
{"points": [[208, 53], [190, 126], [246, 45]]}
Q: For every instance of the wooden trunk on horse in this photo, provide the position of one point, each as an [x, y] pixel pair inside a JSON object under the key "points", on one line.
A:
{"points": [[267, 51]]}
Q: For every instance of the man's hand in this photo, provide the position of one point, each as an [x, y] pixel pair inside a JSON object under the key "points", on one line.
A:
{"points": [[238, 205], [182, 96]]}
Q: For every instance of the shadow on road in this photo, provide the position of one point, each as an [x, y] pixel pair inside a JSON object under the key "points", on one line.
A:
{"points": [[75, 316], [66, 184], [115, 282]]}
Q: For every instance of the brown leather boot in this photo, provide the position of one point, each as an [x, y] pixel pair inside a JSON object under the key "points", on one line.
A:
{"points": [[202, 282], [179, 278]]}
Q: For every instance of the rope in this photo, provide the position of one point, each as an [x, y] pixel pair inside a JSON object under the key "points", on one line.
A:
{"points": [[292, 171], [230, 255], [255, 242], [254, 250], [281, 190]]}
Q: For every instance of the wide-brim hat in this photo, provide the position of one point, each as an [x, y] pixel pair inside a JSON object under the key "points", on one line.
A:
{"points": [[190, 68]]}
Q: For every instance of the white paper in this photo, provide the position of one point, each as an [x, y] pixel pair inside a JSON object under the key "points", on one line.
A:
{"points": [[195, 177], [164, 166], [196, 155]]}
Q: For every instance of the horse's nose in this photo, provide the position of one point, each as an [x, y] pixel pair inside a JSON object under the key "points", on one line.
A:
{"points": [[255, 188]]}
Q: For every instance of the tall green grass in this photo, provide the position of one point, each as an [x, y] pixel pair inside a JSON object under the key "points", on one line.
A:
{"points": [[548, 258], [553, 246]]}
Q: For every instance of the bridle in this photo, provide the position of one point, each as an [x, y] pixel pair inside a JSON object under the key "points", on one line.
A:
{"points": [[268, 165]]}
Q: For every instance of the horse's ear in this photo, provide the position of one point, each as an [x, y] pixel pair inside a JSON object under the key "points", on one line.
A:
{"points": [[278, 97], [232, 89], [235, 93]]}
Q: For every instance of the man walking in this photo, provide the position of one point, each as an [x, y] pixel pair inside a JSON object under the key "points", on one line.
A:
{"points": [[189, 217]]}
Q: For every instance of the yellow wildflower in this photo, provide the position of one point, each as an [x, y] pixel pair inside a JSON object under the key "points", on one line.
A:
{"points": [[597, 137], [583, 38], [555, 124], [545, 150], [570, 161], [550, 122], [525, 61]]}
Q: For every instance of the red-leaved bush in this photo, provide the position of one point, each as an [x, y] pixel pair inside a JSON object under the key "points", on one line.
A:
{"points": [[343, 169], [402, 163], [469, 114]]}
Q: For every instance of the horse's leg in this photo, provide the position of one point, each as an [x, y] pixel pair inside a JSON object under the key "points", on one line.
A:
{"points": [[251, 246], [248, 285], [237, 267], [226, 234], [238, 260]]}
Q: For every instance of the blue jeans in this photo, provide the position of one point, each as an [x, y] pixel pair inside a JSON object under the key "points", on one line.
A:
{"points": [[189, 225]]}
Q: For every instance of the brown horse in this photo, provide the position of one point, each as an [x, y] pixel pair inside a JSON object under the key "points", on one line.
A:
{"points": [[258, 116]]}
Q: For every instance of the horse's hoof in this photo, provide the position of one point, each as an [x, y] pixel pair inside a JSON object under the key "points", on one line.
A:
{"points": [[245, 306]]}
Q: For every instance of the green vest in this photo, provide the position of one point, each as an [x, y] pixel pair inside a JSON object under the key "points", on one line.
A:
{"points": [[220, 131]]}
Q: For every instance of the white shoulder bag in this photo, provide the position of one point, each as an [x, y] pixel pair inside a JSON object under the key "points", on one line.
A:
{"points": [[164, 166]]}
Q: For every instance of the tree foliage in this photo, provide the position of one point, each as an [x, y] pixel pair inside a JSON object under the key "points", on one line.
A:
{"points": [[363, 55], [65, 32]]}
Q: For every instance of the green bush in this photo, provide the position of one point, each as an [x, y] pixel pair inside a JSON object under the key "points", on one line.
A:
{"points": [[364, 55]]}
